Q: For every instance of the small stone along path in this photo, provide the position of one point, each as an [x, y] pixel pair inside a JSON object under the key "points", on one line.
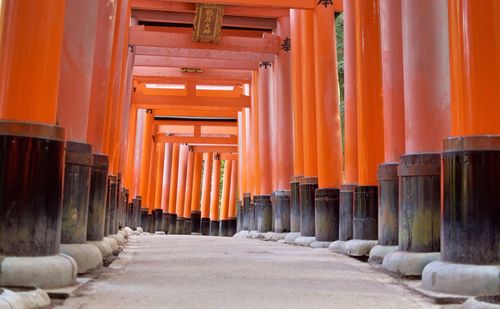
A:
{"points": [[170, 271]]}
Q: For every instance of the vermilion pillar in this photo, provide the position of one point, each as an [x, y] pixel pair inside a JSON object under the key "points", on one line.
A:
{"points": [[215, 196], [370, 118], [309, 182], [196, 199], [262, 200], [226, 188], [165, 190], [282, 128], [232, 210], [147, 140], [151, 183], [350, 123], [77, 58], [248, 166], [172, 197], [427, 122], [181, 188], [205, 195], [188, 193], [254, 135], [158, 185], [327, 126], [394, 129], [130, 168], [470, 209], [298, 144], [242, 181], [32, 152]]}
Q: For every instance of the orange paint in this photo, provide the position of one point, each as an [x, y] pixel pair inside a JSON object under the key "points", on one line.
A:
{"points": [[167, 170], [195, 199], [226, 189], [151, 187], [254, 145], [130, 168], [100, 73], [474, 32], [350, 95], [281, 118], [30, 56], [207, 176], [369, 92], [308, 94], [77, 58], [327, 100], [215, 195], [264, 130], [242, 180], [188, 193], [296, 84], [233, 191], [181, 180], [392, 79], [426, 87], [147, 140], [160, 161], [172, 198]]}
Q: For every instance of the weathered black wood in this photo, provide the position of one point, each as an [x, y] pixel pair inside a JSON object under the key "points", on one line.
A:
{"points": [[172, 226], [136, 217], [247, 200], [188, 226], [196, 221], [231, 227], [327, 214], [144, 219], [241, 214], [263, 213], [295, 204], [75, 210], [365, 213], [205, 226], [179, 226], [471, 212], [281, 211], [223, 228], [158, 216], [419, 203], [97, 198], [151, 224], [112, 206], [214, 228], [166, 222], [307, 206], [388, 204], [346, 208], [31, 187]]}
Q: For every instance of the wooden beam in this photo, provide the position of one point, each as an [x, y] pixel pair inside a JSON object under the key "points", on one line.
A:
{"points": [[180, 62], [163, 6], [200, 123], [215, 148], [158, 102], [163, 138], [203, 54], [203, 79], [140, 37], [229, 156], [243, 76], [293, 4], [199, 111], [188, 19]]}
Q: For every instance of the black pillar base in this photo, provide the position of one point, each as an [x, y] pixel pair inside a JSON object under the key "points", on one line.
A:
{"points": [[346, 207], [196, 220], [365, 213], [188, 226], [76, 193], [295, 204], [97, 198], [327, 214], [172, 225], [166, 221], [240, 214], [223, 227], [264, 210], [205, 226], [231, 227], [471, 208], [158, 215], [31, 182], [307, 206], [420, 202], [247, 221], [144, 219], [214, 228], [388, 207], [136, 217], [151, 224], [179, 226], [281, 211]]}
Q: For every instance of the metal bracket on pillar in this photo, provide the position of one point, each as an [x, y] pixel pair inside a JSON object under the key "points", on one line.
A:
{"points": [[217, 156], [149, 111], [286, 45], [325, 3], [265, 64]]}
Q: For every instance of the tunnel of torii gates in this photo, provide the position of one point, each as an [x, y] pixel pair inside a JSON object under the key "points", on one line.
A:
{"points": [[119, 115]]}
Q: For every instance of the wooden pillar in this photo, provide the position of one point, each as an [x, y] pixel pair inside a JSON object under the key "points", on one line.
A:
{"points": [[242, 180], [215, 196], [254, 116], [470, 209], [327, 125], [167, 172], [195, 199], [160, 164], [188, 193], [147, 140], [151, 186], [232, 211], [205, 195], [172, 197], [226, 188], [181, 188], [130, 168]]}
